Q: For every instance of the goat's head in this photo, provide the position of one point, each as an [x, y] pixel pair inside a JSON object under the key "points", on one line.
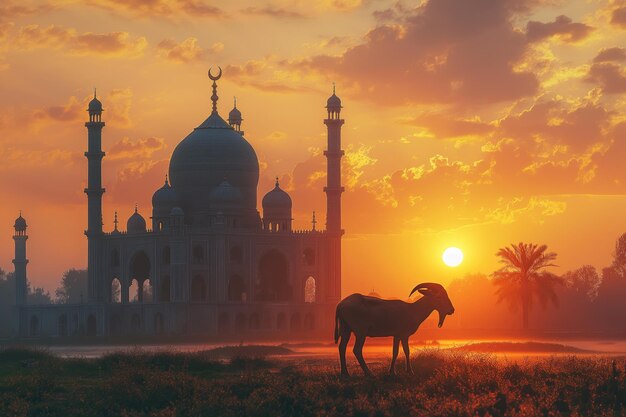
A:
{"points": [[438, 296]]}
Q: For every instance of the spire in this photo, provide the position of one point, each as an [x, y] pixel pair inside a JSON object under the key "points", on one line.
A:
{"points": [[167, 183], [135, 207], [115, 222], [215, 97], [277, 185], [235, 106], [313, 221], [333, 87], [94, 93]]}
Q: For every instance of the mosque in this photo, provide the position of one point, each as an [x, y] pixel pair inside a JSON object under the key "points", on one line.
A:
{"points": [[206, 262]]}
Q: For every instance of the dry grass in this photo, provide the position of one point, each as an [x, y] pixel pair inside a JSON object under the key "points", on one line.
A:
{"points": [[137, 383]]}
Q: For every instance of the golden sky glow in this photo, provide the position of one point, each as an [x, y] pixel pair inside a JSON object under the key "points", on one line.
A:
{"points": [[468, 123]]}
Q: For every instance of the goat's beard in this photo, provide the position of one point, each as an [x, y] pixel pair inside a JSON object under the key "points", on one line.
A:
{"points": [[442, 317]]}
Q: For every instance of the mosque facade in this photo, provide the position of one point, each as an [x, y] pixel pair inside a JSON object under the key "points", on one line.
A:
{"points": [[206, 262]]}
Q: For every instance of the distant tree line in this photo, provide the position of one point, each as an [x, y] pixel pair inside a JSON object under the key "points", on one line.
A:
{"points": [[72, 289], [584, 300]]}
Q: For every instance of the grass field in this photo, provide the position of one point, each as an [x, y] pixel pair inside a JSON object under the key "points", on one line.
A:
{"points": [[445, 383]]}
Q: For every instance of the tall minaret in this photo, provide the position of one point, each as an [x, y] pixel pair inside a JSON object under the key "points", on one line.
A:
{"points": [[20, 260], [333, 154], [94, 193], [333, 192]]}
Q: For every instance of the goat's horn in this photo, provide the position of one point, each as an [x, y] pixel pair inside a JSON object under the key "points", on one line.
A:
{"points": [[432, 286]]}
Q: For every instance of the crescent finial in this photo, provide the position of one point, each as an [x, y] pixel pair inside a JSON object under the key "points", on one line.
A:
{"points": [[215, 77]]}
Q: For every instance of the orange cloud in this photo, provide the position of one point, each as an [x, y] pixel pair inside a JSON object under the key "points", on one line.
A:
{"points": [[162, 8], [68, 39], [273, 11], [618, 17], [435, 53], [611, 54], [126, 148], [186, 51], [10, 9], [563, 28]]}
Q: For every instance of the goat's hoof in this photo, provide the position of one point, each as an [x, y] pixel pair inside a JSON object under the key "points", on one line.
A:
{"points": [[345, 374]]}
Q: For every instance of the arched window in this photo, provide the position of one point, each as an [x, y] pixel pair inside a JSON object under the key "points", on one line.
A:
{"points": [[309, 290], [116, 291], [236, 289], [92, 326], [240, 322], [281, 321], [273, 278], [223, 324], [309, 256], [309, 321], [198, 254], [236, 255], [255, 322], [115, 258], [165, 256], [295, 322], [158, 323], [133, 292], [164, 295], [147, 292], [62, 325], [198, 288]]}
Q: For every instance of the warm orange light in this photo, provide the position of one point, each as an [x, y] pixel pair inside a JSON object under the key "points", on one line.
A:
{"points": [[452, 257]]}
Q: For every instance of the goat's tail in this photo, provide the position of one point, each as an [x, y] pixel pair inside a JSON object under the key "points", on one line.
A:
{"points": [[336, 324]]}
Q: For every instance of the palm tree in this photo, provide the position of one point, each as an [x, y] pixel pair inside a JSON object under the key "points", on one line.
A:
{"points": [[522, 277]]}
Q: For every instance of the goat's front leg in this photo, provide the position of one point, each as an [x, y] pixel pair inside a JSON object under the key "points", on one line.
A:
{"points": [[407, 353], [345, 337], [394, 355], [358, 352]]}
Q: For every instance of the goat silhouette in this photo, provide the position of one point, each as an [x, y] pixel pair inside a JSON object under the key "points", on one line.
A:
{"points": [[374, 317]]}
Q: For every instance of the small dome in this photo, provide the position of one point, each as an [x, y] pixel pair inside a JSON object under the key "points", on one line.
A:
{"points": [[177, 211], [234, 116], [95, 105], [333, 102], [225, 195], [136, 223], [165, 197], [277, 199], [20, 224]]}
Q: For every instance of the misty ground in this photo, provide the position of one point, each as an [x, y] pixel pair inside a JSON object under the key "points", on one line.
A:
{"points": [[281, 380]]}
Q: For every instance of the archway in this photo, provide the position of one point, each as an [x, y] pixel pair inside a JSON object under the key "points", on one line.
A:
{"points": [[255, 323], [281, 321], [198, 288], [158, 323], [164, 294], [135, 323], [116, 291], [62, 325], [140, 271], [34, 326], [240, 322], [309, 321], [310, 290], [273, 278], [223, 324], [92, 326], [133, 291], [147, 292], [115, 326], [295, 322], [236, 288]]}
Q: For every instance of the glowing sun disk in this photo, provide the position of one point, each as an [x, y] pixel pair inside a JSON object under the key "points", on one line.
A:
{"points": [[452, 257]]}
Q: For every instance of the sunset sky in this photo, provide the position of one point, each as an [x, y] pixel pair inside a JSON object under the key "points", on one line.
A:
{"points": [[469, 123]]}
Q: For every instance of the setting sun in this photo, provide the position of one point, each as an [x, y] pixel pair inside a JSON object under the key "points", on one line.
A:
{"points": [[452, 257]]}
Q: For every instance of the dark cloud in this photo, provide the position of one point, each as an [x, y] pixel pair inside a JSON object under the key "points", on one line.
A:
{"points": [[562, 27], [445, 51], [609, 76], [618, 18], [273, 11], [611, 54]]}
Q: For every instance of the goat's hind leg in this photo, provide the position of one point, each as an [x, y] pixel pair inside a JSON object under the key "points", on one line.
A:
{"points": [[394, 355], [407, 353], [345, 338], [358, 352]]}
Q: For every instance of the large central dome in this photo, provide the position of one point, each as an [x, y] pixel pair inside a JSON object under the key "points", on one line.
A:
{"points": [[212, 153]]}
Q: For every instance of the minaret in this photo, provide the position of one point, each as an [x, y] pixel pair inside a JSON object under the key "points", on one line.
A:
{"points": [[20, 260], [234, 118], [94, 193], [333, 192], [333, 154]]}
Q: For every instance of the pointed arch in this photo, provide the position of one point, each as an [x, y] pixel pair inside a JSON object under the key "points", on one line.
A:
{"points": [[310, 290]]}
